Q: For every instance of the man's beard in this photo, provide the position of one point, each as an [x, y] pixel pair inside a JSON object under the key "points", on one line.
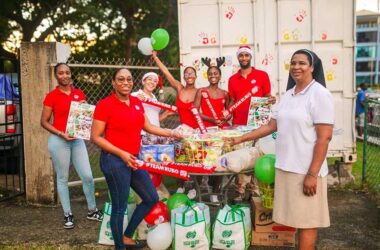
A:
{"points": [[246, 66]]}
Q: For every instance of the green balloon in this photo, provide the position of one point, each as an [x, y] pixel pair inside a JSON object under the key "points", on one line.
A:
{"points": [[160, 39], [264, 168], [177, 200]]}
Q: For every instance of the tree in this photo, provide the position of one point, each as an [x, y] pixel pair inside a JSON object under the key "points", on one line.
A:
{"points": [[98, 28]]}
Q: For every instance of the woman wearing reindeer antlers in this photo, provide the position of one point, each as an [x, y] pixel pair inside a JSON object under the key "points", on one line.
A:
{"points": [[212, 100]]}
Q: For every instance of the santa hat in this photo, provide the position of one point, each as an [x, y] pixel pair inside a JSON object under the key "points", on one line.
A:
{"points": [[146, 75], [244, 48], [160, 84]]}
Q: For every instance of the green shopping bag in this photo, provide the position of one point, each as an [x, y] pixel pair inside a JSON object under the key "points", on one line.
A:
{"points": [[191, 227], [232, 228], [105, 234]]}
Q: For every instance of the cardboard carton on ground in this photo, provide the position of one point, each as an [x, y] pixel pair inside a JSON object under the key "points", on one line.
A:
{"points": [[263, 222], [284, 239]]}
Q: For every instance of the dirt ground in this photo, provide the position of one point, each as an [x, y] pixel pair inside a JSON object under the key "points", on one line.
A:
{"points": [[355, 225]]}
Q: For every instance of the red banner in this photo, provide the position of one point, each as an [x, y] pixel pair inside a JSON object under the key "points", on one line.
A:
{"points": [[239, 102], [163, 169], [191, 168], [198, 118], [160, 104]]}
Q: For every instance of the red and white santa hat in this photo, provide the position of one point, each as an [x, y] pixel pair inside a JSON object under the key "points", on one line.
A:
{"points": [[244, 48], [146, 75]]}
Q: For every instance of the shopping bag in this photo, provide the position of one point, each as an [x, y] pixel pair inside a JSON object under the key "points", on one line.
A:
{"points": [[232, 228], [191, 227], [105, 234]]}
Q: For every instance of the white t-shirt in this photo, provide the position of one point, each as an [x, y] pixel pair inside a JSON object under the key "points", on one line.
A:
{"points": [[296, 116], [152, 112]]}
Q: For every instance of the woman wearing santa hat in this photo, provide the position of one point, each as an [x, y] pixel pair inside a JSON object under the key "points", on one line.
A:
{"points": [[150, 81]]}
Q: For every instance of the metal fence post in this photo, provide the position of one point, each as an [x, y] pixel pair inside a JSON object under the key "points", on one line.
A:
{"points": [[365, 141]]}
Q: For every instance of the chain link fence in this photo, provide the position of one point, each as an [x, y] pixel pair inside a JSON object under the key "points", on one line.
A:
{"points": [[93, 76], [371, 145]]}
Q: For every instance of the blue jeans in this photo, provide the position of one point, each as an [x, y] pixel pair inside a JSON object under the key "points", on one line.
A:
{"points": [[63, 153], [120, 177]]}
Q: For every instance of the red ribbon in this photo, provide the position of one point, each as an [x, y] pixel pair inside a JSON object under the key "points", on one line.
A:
{"points": [[163, 169], [198, 118], [192, 168], [160, 104], [209, 104], [234, 106]]}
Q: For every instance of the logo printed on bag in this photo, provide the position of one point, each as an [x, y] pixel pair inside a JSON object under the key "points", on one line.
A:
{"points": [[191, 243], [227, 243], [274, 135], [108, 225], [191, 235], [226, 233]]}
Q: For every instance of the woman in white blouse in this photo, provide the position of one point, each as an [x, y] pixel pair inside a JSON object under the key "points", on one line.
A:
{"points": [[304, 123], [149, 82]]}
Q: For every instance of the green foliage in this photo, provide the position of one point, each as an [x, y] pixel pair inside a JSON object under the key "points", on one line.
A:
{"points": [[98, 29]]}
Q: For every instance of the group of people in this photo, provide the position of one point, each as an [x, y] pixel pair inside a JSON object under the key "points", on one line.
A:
{"points": [[303, 120]]}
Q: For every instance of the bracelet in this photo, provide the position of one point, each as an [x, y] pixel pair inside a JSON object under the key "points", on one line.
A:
{"points": [[311, 174]]}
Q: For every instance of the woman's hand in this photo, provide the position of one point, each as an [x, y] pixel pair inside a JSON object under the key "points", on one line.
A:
{"points": [[231, 141], [177, 134], [271, 99], [67, 137], [154, 54], [310, 185], [129, 159]]}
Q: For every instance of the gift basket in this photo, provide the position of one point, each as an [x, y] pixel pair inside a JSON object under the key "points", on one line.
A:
{"points": [[203, 149], [266, 194], [265, 174]]}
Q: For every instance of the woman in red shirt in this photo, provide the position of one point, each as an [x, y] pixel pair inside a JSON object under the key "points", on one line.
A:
{"points": [[185, 94], [211, 113], [219, 100], [65, 149], [118, 122]]}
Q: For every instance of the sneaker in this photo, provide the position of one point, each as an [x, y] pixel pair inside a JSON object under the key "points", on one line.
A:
{"points": [[68, 221], [95, 215], [214, 198], [192, 194], [138, 245]]}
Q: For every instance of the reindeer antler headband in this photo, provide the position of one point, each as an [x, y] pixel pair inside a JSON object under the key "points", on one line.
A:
{"points": [[219, 61]]}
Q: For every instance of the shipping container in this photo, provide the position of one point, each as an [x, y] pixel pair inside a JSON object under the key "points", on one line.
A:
{"points": [[275, 29]]}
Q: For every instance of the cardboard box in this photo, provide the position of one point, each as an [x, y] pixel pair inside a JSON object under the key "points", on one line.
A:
{"points": [[283, 239], [263, 222]]}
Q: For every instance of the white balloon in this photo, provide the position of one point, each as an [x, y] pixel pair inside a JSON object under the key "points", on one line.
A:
{"points": [[160, 237], [267, 144], [145, 46]]}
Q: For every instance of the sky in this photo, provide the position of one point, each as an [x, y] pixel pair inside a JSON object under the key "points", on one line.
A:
{"points": [[367, 5]]}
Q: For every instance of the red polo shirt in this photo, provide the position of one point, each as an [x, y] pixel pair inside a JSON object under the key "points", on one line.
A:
{"points": [[238, 86], [60, 103], [123, 123]]}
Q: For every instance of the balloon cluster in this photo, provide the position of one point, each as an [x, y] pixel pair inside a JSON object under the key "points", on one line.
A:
{"points": [[158, 40], [265, 168]]}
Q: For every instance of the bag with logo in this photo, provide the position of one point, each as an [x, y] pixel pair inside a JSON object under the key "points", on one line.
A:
{"points": [[232, 228], [191, 227], [105, 234]]}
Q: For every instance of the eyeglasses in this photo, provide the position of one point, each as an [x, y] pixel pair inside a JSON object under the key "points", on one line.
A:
{"points": [[189, 74], [123, 79]]}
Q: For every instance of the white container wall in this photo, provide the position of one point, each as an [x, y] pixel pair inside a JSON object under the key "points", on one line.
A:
{"points": [[275, 29]]}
